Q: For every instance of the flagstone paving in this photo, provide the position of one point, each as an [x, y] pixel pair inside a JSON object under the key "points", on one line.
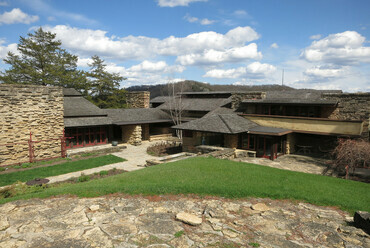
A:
{"points": [[136, 157], [128, 221]]}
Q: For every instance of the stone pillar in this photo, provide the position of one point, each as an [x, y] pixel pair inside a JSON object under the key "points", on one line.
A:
{"points": [[131, 134], [138, 99], [290, 143], [231, 141]]}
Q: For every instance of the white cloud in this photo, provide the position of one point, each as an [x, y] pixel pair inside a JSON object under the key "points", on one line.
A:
{"points": [[315, 37], [274, 45], [175, 3], [193, 19], [240, 13], [89, 42], [44, 7], [212, 56], [254, 70], [323, 72], [17, 16], [206, 21], [5, 49], [342, 49], [147, 72]]}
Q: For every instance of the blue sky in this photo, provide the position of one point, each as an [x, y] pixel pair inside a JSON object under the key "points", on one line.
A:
{"points": [[321, 44]]}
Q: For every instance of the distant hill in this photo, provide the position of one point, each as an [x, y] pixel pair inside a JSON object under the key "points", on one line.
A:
{"points": [[194, 86]]}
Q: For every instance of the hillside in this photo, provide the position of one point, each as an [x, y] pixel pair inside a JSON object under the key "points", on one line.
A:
{"points": [[194, 86]]}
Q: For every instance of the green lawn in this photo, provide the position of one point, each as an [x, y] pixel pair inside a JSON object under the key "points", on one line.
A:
{"points": [[59, 169], [210, 176]]}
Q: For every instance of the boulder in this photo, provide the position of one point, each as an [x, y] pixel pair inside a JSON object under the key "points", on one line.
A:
{"points": [[260, 207], [190, 219]]}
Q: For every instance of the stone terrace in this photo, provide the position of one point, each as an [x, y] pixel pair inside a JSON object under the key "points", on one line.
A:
{"points": [[120, 221]]}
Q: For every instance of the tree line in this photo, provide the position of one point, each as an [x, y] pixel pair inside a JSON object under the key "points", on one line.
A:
{"points": [[40, 60]]}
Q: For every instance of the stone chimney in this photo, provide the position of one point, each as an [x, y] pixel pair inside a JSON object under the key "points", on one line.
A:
{"points": [[138, 99], [238, 97]]}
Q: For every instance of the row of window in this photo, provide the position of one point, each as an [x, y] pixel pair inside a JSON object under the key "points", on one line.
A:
{"points": [[87, 136]]}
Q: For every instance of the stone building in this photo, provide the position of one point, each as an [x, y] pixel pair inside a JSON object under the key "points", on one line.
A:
{"points": [[284, 122], [48, 113]]}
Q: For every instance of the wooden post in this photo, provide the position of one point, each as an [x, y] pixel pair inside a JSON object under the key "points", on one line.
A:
{"points": [[30, 149]]}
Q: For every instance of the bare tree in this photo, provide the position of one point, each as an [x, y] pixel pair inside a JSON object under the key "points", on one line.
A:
{"points": [[175, 104], [351, 154]]}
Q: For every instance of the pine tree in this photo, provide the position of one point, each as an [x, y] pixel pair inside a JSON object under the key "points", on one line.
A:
{"points": [[105, 92], [42, 61]]}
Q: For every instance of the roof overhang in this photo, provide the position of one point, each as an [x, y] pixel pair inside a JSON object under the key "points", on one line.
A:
{"points": [[123, 123]]}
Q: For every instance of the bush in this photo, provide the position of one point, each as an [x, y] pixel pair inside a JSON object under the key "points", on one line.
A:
{"points": [[351, 154], [103, 173], [83, 178], [2, 169]]}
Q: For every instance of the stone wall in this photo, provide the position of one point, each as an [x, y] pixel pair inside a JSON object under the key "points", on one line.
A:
{"points": [[138, 99], [351, 106], [237, 98], [231, 140], [131, 134], [25, 109], [216, 152]]}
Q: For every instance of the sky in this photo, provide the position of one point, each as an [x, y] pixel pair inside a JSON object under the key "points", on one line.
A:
{"points": [[320, 44]]}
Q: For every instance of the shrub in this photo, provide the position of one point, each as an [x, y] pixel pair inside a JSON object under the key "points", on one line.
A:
{"points": [[351, 154], [83, 178], [2, 169], [103, 173]]}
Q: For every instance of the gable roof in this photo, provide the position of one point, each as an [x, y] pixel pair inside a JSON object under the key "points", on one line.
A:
{"points": [[70, 92], [137, 116], [198, 104], [79, 107], [219, 123]]}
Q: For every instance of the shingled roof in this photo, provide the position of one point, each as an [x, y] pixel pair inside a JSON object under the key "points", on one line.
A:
{"points": [[137, 116], [86, 121], [78, 106], [219, 123], [198, 104], [70, 92], [302, 96]]}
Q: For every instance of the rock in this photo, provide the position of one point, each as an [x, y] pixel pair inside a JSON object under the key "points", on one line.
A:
{"points": [[260, 207], [190, 219], [94, 207], [362, 220], [4, 224], [229, 233]]}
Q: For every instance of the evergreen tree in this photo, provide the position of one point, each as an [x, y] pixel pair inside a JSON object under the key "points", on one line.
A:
{"points": [[42, 61], [105, 92]]}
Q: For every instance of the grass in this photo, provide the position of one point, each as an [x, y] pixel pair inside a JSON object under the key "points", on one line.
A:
{"points": [[59, 169], [210, 176]]}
